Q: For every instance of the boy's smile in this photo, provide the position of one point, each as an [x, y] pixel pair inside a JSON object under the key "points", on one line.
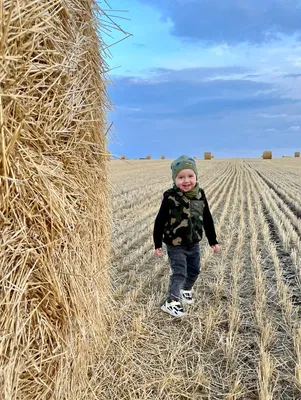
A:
{"points": [[186, 180]]}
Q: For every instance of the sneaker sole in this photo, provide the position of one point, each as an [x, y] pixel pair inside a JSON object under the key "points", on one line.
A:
{"points": [[188, 302], [163, 308]]}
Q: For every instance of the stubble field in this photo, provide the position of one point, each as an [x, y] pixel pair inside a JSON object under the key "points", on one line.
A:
{"points": [[242, 337]]}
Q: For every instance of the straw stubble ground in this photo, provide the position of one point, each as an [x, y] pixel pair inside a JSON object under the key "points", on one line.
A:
{"points": [[241, 340]]}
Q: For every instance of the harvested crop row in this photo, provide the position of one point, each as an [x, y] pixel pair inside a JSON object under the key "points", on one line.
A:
{"points": [[229, 343]]}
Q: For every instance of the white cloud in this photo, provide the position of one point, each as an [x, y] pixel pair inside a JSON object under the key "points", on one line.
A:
{"points": [[294, 128], [271, 115], [295, 61], [221, 50], [271, 130], [128, 109]]}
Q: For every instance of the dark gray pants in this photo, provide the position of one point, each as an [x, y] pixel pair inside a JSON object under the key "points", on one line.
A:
{"points": [[185, 266]]}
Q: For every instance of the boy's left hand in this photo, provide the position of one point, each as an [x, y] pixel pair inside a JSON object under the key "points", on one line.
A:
{"points": [[215, 248]]}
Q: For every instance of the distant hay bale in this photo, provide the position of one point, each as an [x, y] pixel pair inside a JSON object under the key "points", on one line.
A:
{"points": [[53, 204], [162, 157], [148, 157], [267, 155], [207, 155], [297, 154], [123, 158]]}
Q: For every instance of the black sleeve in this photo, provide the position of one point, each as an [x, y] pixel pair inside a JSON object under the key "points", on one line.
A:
{"points": [[209, 224], [160, 222]]}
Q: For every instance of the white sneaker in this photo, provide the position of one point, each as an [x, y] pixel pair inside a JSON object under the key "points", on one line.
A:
{"points": [[173, 308], [187, 297]]}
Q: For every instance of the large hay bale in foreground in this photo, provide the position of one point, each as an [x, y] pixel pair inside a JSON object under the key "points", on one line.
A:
{"points": [[207, 155], [267, 155], [297, 154], [53, 199]]}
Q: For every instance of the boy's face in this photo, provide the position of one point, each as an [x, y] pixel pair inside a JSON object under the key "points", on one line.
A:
{"points": [[186, 180]]}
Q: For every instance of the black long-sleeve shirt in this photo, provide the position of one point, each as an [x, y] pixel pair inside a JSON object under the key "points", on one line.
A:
{"points": [[163, 216]]}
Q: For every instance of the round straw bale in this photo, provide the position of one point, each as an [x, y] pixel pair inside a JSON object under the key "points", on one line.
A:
{"points": [[123, 158], [107, 155], [53, 199], [267, 155], [148, 157], [162, 157], [297, 154], [207, 155]]}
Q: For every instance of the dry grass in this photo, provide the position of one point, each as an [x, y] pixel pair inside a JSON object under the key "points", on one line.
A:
{"points": [[53, 200], [241, 340]]}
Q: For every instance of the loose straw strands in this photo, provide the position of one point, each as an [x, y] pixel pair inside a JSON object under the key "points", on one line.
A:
{"points": [[53, 198]]}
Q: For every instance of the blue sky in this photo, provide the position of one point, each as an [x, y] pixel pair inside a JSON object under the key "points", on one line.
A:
{"points": [[205, 75]]}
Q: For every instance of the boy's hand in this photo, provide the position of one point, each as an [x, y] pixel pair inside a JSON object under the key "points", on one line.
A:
{"points": [[159, 252], [215, 248]]}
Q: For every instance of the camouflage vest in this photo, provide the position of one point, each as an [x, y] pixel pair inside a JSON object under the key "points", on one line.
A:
{"points": [[185, 222]]}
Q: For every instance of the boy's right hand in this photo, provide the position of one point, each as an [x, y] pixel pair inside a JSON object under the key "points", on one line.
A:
{"points": [[159, 252]]}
